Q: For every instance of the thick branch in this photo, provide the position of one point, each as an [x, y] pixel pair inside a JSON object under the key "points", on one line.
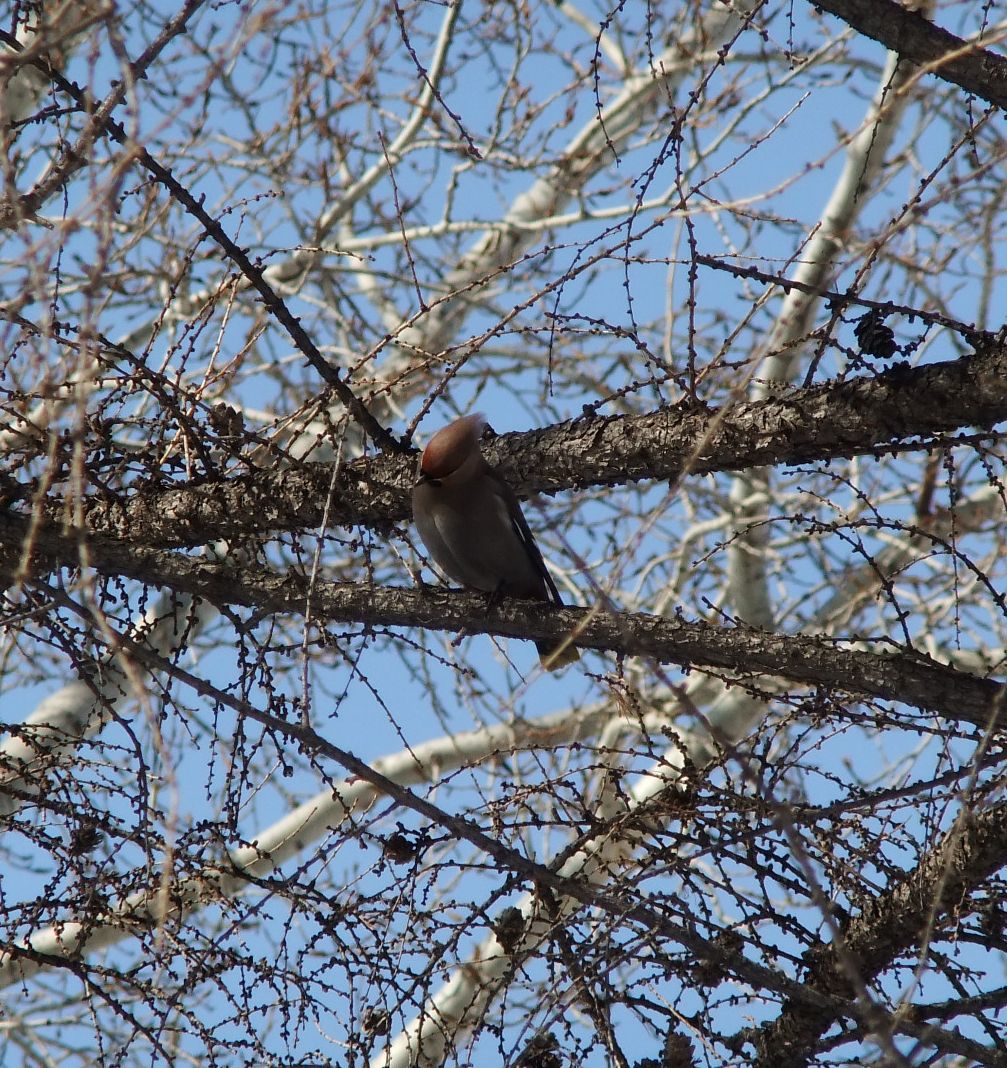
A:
{"points": [[839, 419], [974, 849], [906, 677], [963, 63]]}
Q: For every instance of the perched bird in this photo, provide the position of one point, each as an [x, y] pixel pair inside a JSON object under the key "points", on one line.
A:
{"points": [[473, 527]]}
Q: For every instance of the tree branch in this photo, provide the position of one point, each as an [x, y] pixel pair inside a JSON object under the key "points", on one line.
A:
{"points": [[963, 63], [972, 850], [273, 845], [894, 410], [541, 876], [903, 675], [101, 121]]}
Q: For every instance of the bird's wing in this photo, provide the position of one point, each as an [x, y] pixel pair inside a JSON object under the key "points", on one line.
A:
{"points": [[523, 531]]}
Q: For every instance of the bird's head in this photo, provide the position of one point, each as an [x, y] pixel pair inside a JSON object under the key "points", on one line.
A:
{"points": [[453, 454]]}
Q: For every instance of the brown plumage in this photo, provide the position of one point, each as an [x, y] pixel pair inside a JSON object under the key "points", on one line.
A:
{"points": [[473, 527]]}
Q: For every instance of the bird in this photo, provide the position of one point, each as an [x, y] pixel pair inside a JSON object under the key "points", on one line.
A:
{"points": [[473, 528]]}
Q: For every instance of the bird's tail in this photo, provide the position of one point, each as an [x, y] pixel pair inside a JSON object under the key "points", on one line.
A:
{"points": [[555, 657]]}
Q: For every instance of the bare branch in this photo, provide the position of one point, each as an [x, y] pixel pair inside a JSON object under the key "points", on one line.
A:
{"points": [[964, 63], [893, 411]]}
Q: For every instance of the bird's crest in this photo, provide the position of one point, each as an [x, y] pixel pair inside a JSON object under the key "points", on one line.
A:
{"points": [[448, 449]]}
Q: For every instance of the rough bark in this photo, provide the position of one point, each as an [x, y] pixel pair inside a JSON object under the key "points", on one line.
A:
{"points": [[897, 409], [898, 675], [963, 63], [896, 921]]}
